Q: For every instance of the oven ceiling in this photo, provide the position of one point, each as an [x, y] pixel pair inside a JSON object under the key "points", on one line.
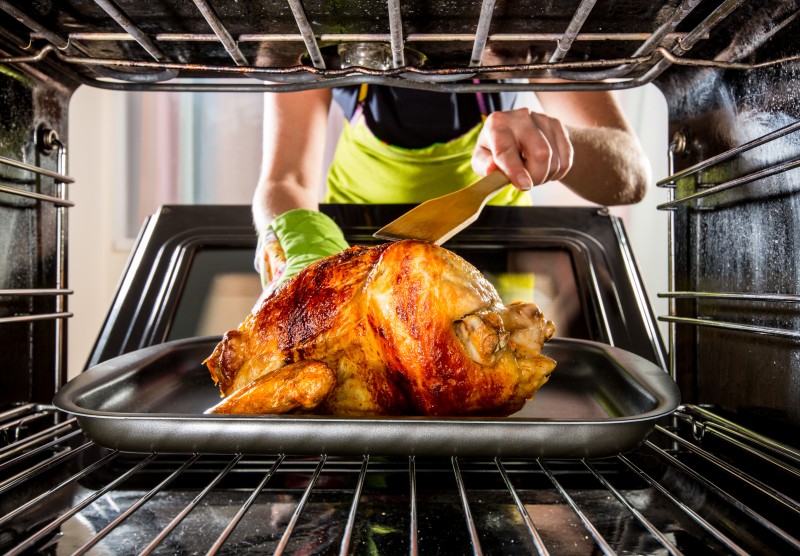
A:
{"points": [[135, 44]]}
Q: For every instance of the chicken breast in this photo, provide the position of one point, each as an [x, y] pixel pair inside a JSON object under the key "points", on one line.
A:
{"points": [[404, 328]]}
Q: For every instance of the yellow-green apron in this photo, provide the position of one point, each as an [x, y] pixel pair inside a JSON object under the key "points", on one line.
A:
{"points": [[367, 170]]}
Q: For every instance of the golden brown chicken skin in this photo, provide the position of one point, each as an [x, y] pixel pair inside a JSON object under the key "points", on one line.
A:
{"points": [[405, 328]]}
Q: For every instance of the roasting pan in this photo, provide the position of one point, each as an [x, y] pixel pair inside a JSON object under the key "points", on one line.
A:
{"points": [[600, 401]]}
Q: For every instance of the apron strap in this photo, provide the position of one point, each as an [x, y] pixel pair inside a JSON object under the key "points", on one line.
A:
{"points": [[481, 102], [363, 91]]}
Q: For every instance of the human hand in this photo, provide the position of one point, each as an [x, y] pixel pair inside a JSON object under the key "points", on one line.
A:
{"points": [[529, 147]]}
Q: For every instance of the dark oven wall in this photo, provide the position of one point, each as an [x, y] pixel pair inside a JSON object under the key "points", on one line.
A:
{"points": [[736, 242], [33, 114]]}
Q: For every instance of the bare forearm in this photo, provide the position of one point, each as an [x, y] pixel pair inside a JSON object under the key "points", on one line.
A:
{"points": [[273, 198], [294, 140], [609, 166], [583, 142]]}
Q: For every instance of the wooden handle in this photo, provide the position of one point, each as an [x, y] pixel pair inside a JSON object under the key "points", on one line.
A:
{"points": [[490, 184]]}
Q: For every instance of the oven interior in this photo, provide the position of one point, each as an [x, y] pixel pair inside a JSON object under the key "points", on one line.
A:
{"points": [[718, 476]]}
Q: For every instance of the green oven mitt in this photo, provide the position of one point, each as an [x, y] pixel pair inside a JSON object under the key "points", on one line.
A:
{"points": [[294, 240]]}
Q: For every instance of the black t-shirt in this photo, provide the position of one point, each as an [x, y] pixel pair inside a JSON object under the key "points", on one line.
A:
{"points": [[415, 119]]}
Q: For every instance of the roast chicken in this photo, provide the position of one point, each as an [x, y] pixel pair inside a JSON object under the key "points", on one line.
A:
{"points": [[404, 328]]}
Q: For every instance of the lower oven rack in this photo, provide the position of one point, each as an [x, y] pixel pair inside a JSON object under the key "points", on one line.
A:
{"points": [[700, 483]]}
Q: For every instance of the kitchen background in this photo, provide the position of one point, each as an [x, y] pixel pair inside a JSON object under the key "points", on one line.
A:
{"points": [[133, 152]]}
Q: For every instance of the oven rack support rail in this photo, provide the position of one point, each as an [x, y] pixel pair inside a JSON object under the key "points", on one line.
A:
{"points": [[695, 175], [757, 497], [47, 142], [657, 51]]}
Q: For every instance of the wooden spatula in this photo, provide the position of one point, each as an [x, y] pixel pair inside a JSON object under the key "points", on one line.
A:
{"points": [[441, 218]]}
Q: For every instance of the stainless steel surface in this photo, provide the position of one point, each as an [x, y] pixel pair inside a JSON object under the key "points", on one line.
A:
{"points": [[672, 55], [54, 144], [221, 32], [372, 37], [652, 500], [710, 529], [481, 32], [122, 19], [648, 47], [462, 495], [739, 327], [657, 52], [736, 182], [298, 77], [738, 150], [536, 537], [785, 534], [602, 543], [638, 289], [351, 517], [671, 549], [572, 31], [676, 145], [307, 33], [396, 33], [38, 196], [775, 494], [36, 317], [776, 298], [600, 401], [57, 176]]}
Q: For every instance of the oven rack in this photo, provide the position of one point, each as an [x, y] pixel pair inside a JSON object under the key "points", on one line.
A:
{"points": [[706, 190], [692, 179], [26, 188], [656, 51], [680, 488]]}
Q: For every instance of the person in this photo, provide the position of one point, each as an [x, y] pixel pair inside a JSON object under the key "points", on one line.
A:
{"points": [[406, 146]]}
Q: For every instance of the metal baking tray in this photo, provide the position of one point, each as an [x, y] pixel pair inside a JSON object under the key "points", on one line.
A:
{"points": [[600, 401]]}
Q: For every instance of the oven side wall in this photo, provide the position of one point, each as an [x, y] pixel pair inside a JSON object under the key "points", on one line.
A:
{"points": [[743, 240], [29, 243]]}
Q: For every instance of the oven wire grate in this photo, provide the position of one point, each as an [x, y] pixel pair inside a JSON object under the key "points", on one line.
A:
{"points": [[680, 490], [658, 50]]}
